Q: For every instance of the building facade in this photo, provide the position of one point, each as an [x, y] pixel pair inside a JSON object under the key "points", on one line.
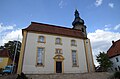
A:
{"points": [[114, 55], [5, 58], [55, 49]]}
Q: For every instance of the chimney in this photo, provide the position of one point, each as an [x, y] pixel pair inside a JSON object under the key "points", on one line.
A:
{"points": [[113, 43]]}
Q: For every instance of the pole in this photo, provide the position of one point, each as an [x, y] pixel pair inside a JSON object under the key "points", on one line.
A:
{"points": [[15, 55]]}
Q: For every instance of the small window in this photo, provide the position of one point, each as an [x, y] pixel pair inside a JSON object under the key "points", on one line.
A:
{"points": [[82, 30], [74, 58], [41, 39], [58, 51], [119, 68], [117, 59], [58, 41], [73, 43], [40, 56]]}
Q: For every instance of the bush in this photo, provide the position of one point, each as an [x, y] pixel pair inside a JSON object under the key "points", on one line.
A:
{"points": [[21, 76], [117, 75]]}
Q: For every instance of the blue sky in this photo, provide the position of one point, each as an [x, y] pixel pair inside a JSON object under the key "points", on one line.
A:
{"points": [[102, 18]]}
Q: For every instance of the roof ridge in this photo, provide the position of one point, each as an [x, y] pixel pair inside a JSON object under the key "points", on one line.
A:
{"points": [[56, 26]]}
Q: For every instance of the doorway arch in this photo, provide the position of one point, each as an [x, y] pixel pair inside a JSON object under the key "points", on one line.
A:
{"points": [[58, 64]]}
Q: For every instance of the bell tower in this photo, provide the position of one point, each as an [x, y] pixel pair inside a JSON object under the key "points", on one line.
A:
{"points": [[78, 23]]}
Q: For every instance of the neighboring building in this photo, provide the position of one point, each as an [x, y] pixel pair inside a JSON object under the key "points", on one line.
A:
{"points": [[114, 55], [5, 58], [55, 49]]}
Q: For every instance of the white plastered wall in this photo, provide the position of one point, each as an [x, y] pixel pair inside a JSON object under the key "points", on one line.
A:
{"points": [[29, 61], [115, 63]]}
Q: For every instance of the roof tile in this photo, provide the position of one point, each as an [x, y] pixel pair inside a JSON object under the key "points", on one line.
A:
{"points": [[52, 29], [4, 53], [114, 50]]}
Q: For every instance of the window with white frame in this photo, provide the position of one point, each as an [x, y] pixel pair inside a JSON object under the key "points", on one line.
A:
{"points": [[41, 39], [74, 58], [73, 43], [58, 51], [40, 56], [58, 41]]}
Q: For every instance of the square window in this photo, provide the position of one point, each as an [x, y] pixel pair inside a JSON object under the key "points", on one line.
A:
{"points": [[58, 41], [73, 43], [58, 51], [41, 39]]}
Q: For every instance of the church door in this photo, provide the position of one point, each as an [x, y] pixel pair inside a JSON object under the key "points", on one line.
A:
{"points": [[58, 67]]}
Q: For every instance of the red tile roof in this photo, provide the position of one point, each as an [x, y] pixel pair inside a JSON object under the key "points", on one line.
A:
{"points": [[4, 53], [52, 29], [114, 50]]}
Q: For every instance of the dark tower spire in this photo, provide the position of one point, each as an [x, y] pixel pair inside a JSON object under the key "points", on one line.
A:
{"points": [[78, 23], [77, 19]]}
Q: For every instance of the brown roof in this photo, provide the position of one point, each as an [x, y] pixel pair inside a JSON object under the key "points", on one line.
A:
{"points": [[52, 29], [4, 53], [114, 50]]}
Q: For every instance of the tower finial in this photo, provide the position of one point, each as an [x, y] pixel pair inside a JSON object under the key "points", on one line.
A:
{"points": [[76, 14]]}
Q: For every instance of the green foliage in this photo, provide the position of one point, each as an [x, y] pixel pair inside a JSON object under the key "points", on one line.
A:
{"points": [[11, 46], [104, 61]]}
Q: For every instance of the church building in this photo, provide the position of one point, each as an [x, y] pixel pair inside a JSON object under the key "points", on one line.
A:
{"points": [[53, 49]]}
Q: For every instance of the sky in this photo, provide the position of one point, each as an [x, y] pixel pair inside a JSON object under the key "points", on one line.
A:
{"points": [[102, 18]]}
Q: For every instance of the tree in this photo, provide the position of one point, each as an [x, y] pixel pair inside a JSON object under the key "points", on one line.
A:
{"points": [[11, 46], [104, 61]]}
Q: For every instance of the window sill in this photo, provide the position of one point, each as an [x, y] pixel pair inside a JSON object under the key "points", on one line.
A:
{"points": [[75, 66], [39, 65], [73, 45], [58, 43], [58, 53], [41, 42]]}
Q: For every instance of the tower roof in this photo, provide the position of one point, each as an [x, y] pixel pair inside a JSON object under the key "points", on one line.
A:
{"points": [[77, 19]]}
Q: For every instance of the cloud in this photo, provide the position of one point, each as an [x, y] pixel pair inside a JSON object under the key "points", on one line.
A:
{"points": [[111, 5], [101, 40], [98, 3], [107, 27], [62, 4], [4, 28], [9, 33], [117, 27]]}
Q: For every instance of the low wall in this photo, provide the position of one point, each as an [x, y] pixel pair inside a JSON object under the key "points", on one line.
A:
{"points": [[98, 75], [101, 75]]}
